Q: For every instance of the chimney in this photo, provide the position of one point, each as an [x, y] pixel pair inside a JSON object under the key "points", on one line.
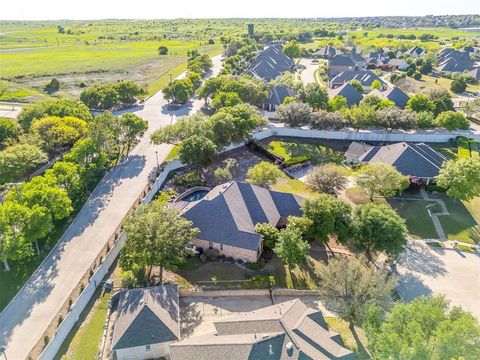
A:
{"points": [[270, 350]]}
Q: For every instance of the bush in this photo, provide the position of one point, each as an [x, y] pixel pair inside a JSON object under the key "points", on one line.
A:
{"points": [[417, 75], [458, 85], [203, 258], [256, 266], [433, 187], [212, 254], [190, 179], [296, 160]]}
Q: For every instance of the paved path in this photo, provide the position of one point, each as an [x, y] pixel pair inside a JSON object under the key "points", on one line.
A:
{"points": [[307, 74], [24, 320], [9, 111]]}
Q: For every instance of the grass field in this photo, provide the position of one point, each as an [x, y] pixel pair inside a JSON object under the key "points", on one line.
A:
{"points": [[315, 151], [460, 224], [419, 223], [427, 83], [294, 186]]}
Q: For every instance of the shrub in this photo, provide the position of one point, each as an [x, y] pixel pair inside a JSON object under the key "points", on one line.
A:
{"points": [[297, 160], [203, 258], [212, 254], [434, 187], [190, 179], [260, 282], [458, 85], [255, 266]]}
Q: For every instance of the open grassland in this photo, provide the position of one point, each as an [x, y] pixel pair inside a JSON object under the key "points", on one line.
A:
{"points": [[427, 83]]}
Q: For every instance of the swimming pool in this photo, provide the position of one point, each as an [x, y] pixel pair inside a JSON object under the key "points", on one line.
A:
{"points": [[195, 196]]}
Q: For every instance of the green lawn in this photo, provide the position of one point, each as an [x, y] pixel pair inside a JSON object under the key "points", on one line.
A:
{"points": [[419, 223], [173, 154], [460, 224], [294, 186], [305, 149], [11, 91]]}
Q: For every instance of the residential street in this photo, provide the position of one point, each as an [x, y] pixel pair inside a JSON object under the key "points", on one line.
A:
{"points": [[24, 320]]}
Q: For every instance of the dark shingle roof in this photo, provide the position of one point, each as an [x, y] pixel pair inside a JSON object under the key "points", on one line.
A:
{"points": [[475, 73], [366, 77], [394, 94], [416, 50], [326, 51], [147, 316], [341, 60], [270, 63], [229, 212], [278, 94], [410, 159], [348, 92], [289, 330]]}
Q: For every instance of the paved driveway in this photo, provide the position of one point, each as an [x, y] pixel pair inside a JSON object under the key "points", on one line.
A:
{"points": [[424, 270], [24, 320]]}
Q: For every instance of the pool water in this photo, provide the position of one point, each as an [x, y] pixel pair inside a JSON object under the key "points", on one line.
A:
{"points": [[195, 196]]}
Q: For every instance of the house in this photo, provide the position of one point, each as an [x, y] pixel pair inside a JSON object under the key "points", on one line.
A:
{"points": [[452, 60], [418, 160], [475, 73], [415, 52], [394, 94], [340, 63], [288, 330], [147, 321], [355, 150], [270, 63], [366, 78], [399, 64], [348, 92], [358, 59], [276, 97], [325, 52], [227, 215]]}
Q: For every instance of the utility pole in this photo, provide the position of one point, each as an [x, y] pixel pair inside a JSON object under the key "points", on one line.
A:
{"points": [[3, 351], [171, 78]]}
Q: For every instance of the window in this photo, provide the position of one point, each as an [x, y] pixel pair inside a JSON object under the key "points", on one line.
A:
{"points": [[221, 247], [210, 245], [147, 347]]}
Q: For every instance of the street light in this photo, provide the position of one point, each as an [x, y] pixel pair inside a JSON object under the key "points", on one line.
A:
{"points": [[158, 165], [3, 351]]}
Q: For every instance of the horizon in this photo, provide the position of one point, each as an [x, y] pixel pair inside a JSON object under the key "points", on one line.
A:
{"points": [[57, 10]]}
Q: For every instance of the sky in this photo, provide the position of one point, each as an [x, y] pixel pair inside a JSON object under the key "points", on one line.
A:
{"points": [[167, 9]]}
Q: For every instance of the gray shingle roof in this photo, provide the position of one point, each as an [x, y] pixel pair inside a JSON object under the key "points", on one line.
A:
{"points": [[270, 63], [410, 159], [147, 316], [278, 94], [394, 94], [326, 51], [475, 73], [416, 50], [348, 92], [366, 77], [229, 212], [288, 330], [341, 60]]}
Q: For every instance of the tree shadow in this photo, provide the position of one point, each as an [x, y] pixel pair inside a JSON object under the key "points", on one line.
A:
{"points": [[190, 318], [420, 258], [361, 352], [410, 286]]}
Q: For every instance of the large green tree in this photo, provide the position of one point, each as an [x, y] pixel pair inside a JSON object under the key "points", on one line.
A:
{"points": [[185, 127], [461, 178], [179, 91], [329, 216], [393, 118], [420, 102], [264, 174], [426, 328], [157, 235], [314, 95], [197, 150], [377, 227], [291, 248], [327, 178], [17, 161], [452, 120], [8, 130], [350, 286], [381, 179], [292, 49], [131, 128], [295, 114]]}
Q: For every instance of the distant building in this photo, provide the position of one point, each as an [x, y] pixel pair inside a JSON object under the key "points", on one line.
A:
{"points": [[276, 97], [475, 73], [270, 63], [251, 29], [289, 330], [399, 64], [340, 63], [452, 60], [146, 322], [348, 92], [325, 52], [410, 159], [366, 78], [415, 52]]}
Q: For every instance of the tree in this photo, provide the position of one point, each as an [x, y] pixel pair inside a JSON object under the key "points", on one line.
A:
{"points": [[132, 127], [376, 84], [223, 99], [442, 100], [426, 328], [314, 95], [452, 120], [461, 178], [376, 102], [294, 114], [69, 178], [379, 228], [324, 120], [179, 91], [185, 127], [157, 235], [8, 130], [20, 226], [337, 103], [381, 179], [417, 75], [292, 49], [264, 174], [105, 131], [458, 85], [43, 191], [291, 248], [200, 64], [357, 85], [329, 216], [195, 78], [19, 160], [162, 50], [360, 116], [111, 95], [393, 118], [197, 150], [327, 178], [60, 107], [269, 234], [58, 134], [425, 120], [420, 102], [351, 286], [52, 86]]}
